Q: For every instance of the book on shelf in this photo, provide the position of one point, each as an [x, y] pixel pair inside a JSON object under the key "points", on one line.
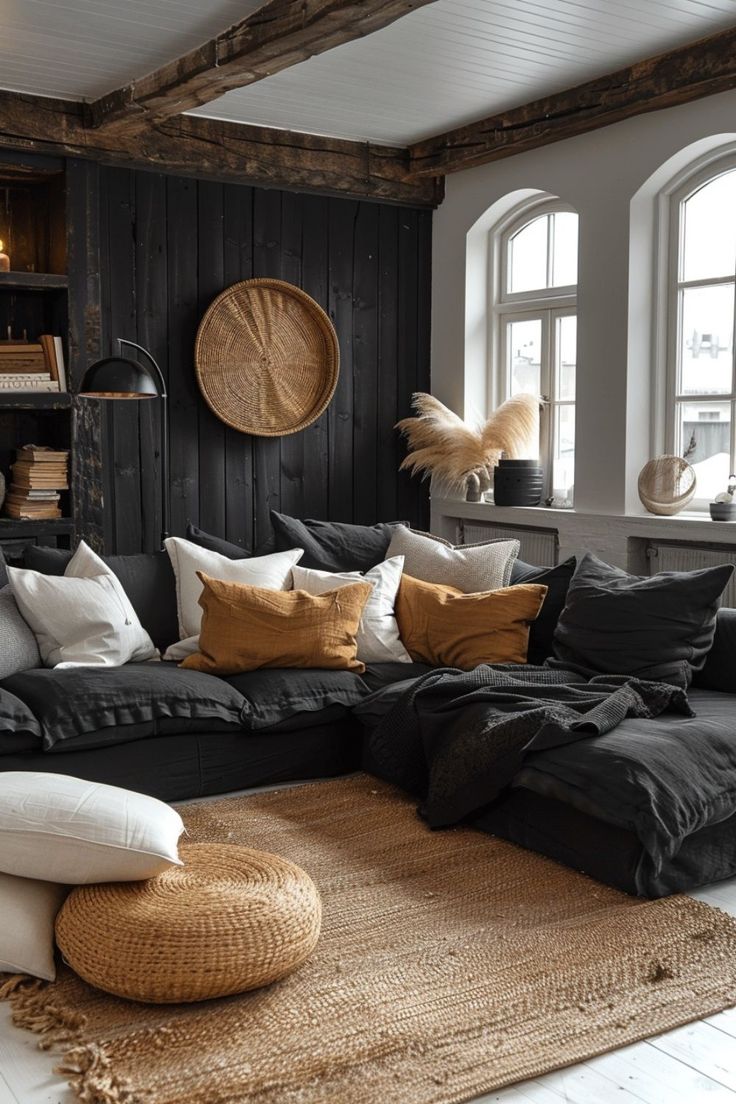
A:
{"points": [[53, 351], [26, 513], [42, 454]]}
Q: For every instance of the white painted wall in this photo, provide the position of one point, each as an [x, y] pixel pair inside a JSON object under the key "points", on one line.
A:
{"points": [[599, 174]]}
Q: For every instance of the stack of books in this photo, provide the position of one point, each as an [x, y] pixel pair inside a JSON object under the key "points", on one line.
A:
{"points": [[32, 366], [39, 474]]}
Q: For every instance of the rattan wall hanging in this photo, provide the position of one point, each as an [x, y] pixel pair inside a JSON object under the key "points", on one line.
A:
{"points": [[266, 357]]}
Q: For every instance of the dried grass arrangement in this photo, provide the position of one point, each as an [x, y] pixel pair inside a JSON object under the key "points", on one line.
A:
{"points": [[444, 446]]}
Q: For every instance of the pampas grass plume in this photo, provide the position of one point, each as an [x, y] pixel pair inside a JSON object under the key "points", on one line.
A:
{"points": [[441, 444]]}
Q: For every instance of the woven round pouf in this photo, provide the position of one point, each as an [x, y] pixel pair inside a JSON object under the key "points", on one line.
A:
{"points": [[230, 919]]}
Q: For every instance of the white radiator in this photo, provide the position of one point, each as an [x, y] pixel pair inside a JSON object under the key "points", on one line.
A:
{"points": [[690, 557], [537, 546]]}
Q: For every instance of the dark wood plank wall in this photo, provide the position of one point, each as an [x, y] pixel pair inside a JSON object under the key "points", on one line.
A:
{"points": [[169, 245]]}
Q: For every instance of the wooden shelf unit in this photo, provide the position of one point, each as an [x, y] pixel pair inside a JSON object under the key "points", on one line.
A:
{"points": [[34, 300]]}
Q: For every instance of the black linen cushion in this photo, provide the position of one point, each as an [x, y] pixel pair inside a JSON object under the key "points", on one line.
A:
{"points": [[557, 580], [285, 700], [93, 706], [657, 627], [719, 670], [146, 577], [216, 544], [333, 545], [19, 729]]}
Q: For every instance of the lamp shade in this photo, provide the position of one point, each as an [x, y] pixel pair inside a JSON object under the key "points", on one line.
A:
{"points": [[117, 377]]}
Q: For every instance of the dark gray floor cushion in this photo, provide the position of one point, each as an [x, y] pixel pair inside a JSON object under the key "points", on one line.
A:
{"points": [[657, 627], [146, 577], [89, 706]]}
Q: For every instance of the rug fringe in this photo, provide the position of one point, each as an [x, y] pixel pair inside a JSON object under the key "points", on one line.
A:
{"points": [[87, 1069], [33, 1008]]}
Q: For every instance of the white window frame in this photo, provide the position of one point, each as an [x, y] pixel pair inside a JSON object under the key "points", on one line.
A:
{"points": [[669, 254], [548, 304]]}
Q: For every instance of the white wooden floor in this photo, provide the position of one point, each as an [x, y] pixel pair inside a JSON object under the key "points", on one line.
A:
{"points": [[695, 1064]]}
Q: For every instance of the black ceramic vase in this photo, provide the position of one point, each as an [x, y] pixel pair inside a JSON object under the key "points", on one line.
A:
{"points": [[518, 483]]}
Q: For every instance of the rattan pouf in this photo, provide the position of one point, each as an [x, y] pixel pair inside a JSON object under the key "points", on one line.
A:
{"points": [[230, 919]]}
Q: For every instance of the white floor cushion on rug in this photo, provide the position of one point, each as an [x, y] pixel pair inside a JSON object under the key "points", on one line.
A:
{"points": [[28, 909], [471, 568], [82, 618], [272, 572], [378, 636], [64, 829]]}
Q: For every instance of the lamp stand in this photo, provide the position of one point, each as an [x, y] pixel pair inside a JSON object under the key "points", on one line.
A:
{"points": [[163, 395]]}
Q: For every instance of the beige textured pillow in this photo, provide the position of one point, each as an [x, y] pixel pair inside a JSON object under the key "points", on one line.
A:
{"points": [[469, 567]]}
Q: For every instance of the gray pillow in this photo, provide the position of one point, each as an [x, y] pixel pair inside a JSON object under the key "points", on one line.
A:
{"points": [[18, 647], [657, 627], [469, 567]]}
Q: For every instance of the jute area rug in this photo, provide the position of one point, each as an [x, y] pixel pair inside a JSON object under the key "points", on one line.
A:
{"points": [[450, 964]]}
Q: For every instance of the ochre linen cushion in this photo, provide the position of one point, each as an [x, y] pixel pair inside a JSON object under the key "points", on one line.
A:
{"points": [[443, 626], [247, 627]]}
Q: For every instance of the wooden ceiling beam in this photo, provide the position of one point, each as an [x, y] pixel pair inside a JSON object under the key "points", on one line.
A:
{"points": [[687, 73], [236, 152], [278, 35]]}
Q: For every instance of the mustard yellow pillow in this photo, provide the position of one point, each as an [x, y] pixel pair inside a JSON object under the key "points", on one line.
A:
{"points": [[445, 627], [246, 627]]}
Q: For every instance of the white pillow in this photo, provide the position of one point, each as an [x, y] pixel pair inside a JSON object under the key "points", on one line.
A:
{"points": [[84, 617], [64, 829], [272, 572], [28, 909], [378, 635], [469, 567]]}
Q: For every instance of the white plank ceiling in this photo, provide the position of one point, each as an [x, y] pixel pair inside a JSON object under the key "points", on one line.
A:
{"points": [[449, 63], [459, 60], [80, 49]]}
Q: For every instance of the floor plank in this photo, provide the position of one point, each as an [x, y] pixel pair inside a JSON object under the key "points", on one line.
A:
{"points": [[704, 1048]]}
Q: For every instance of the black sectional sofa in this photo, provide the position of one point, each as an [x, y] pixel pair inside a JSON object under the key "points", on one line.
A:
{"points": [[180, 734]]}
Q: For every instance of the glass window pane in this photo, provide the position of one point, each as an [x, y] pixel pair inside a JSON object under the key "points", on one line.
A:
{"points": [[563, 465], [565, 256], [709, 230], [706, 339], [565, 353], [527, 257], [524, 353], [705, 441]]}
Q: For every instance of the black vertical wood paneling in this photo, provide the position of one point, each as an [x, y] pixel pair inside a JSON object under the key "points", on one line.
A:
{"points": [[315, 281], [239, 472], [365, 346], [151, 332], [210, 282], [169, 246], [184, 397]]}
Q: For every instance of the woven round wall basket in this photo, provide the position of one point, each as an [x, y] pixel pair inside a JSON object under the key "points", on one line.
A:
{"points": [[666, 485], [266, 357]]}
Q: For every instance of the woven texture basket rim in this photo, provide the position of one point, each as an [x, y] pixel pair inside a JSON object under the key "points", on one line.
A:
{"points": [[312, 347]]}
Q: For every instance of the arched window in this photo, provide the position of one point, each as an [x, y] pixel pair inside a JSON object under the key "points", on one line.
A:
{"points": [[701, 370], [535, 327]]}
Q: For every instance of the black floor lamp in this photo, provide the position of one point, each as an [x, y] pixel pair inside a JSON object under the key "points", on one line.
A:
{"points": [[119, 377]]}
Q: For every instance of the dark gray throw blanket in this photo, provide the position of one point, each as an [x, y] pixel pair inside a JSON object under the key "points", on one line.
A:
{"points": [[456, 739]]}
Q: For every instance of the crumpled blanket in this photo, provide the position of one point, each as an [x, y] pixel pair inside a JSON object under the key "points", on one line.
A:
{"points": [[456, 739]]}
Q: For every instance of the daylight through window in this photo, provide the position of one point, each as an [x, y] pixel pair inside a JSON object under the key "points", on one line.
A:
{"points": [[536, 331]]}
